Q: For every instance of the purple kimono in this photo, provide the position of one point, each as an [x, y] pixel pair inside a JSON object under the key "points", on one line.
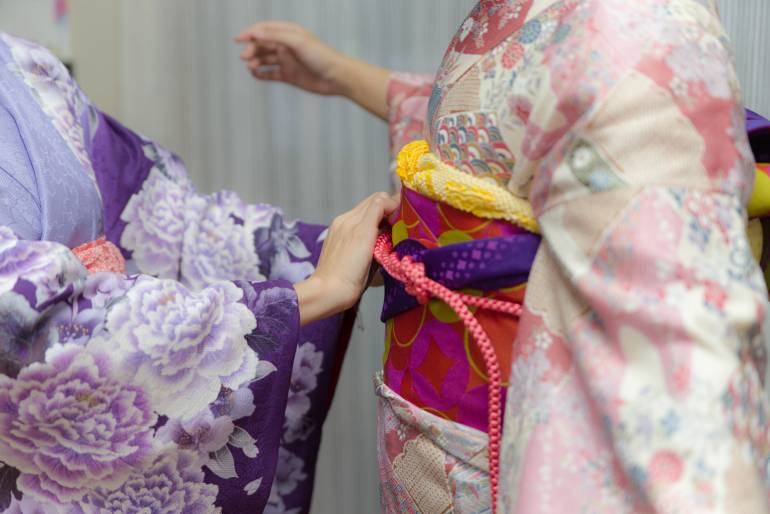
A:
{"points": [[186, 386]]}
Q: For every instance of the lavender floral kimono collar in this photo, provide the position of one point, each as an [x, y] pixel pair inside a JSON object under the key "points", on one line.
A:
{"points": [[45, 195]]}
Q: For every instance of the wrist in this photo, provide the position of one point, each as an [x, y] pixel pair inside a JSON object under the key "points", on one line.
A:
{"points": [[343, 74], [310, 300], [319, 299], [365, 84]]}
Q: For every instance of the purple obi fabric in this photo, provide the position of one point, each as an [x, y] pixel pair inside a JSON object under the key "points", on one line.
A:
{"points": [[484, 264], [758, 129]]}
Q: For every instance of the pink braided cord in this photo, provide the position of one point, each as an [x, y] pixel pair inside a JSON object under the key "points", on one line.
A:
{"points": [[412, 275]]}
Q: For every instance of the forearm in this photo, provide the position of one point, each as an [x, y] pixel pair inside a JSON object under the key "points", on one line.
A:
{"points": [[365, 84], [312, 306]]}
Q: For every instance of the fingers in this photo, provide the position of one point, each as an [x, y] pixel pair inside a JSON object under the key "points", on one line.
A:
{"points": [[346, 257], [258, 49], [267, 46], [249, 33], [249, 50], [274, 32], [258, 29], [268, 60], [267, 73], [364, 219], [379, 206]]}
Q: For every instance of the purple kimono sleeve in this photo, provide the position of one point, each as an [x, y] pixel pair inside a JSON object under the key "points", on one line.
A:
{"points": [[112, 382], [165, 229]]}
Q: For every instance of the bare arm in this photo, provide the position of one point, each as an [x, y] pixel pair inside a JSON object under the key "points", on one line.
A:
{"points": [[289, 53]]}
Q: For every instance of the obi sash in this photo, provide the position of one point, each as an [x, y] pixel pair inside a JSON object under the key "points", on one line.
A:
{"points": [[483, 244], [451, 357], [430, 360]]}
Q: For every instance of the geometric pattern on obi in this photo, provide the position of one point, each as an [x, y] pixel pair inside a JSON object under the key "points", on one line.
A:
{"points": [[430, 358]]}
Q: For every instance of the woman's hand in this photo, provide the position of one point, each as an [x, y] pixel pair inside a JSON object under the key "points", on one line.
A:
{"points": [[342, 272], [289, 53]]}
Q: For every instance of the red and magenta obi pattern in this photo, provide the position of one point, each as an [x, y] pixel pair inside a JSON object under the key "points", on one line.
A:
{"points": [[430, 359]]}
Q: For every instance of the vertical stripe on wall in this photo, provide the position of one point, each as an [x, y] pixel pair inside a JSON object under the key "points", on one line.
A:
{"points": [[748, 23]]}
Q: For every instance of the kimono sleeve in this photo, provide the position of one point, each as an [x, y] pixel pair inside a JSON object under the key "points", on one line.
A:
{"points": [[113, 382], [166, 229], [644, 226], [203, 335], [408, 98]]}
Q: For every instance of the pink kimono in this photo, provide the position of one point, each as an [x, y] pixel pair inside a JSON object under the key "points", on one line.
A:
{"points": [[638, 373]]}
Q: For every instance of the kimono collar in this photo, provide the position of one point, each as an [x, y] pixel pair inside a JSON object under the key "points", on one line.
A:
{"points": [[47, 193]]}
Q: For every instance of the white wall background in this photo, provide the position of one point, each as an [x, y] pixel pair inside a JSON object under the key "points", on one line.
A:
{"points": [[36, 20], [169, 69], [748, 23]]}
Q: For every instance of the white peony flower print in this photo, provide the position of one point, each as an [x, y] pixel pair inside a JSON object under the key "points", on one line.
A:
{"points": [[209, 436], [155, 225], [252, 487], [27, 505], [219, 240], [180, 345], [49, 266], [304, 380]]}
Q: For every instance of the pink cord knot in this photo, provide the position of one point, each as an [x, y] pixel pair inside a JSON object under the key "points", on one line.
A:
{"points": [[416, 282]]}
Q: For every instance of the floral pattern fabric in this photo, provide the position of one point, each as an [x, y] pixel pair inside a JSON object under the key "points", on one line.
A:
{"points": [[179, 388], [407, 98], [638, 379], [427, 463]]}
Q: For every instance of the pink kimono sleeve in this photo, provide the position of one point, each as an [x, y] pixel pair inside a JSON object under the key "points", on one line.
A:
{"points": [[408, 97]]}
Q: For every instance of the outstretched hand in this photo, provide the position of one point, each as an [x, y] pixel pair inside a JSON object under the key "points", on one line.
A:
{"points": [[287, 52]]}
